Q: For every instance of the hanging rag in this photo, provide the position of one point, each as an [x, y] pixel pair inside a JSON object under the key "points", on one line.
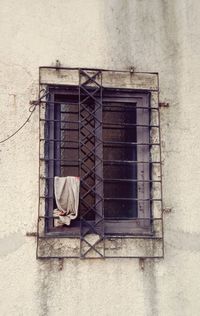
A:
{"points": [[67, 198]]}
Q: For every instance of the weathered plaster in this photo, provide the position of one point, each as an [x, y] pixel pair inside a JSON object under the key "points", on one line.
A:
{"points": [[157, 35], [11, 243]]}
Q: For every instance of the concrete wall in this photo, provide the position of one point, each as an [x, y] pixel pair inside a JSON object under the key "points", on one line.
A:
{"points": [[156, 35]]}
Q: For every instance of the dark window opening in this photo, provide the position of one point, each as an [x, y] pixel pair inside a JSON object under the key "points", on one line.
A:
{"points": [[119, 129], [124, 137]]}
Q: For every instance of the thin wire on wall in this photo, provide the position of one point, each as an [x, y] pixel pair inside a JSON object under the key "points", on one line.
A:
{"points": [[31, 109]]}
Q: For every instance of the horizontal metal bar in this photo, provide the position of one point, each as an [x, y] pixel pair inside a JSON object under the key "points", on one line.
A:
{"points": [[68, 165], [116, 162], [117, 111], [69, 129], [113, 180], [55, 159], [140, 235], [130, 199], [59, 234], [57, 257], [132, 257], [130, 124], [131, 180], [67, 102], [124, 106], [108, 125], [105, 142], [100, 258], [113, 218], [65, 164], [119, 127], [103, 123], [130, 143], [134, 218], [58, 140], [106, 162], [68, 147], [106, 236], [113, 199], [68, 112], [128, 107], [60, 121]]}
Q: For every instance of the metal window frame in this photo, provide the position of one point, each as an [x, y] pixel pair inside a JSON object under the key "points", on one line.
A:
{"points": [[114, 226], [94, 245]]}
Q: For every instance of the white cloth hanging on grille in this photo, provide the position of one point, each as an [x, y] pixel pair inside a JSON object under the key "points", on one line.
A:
{"points": [[66, 191]]}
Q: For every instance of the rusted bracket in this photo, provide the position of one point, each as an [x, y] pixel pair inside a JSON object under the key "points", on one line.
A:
{"points": [[44, 93], [142, 263], [167, 210], [31, 234], [163, 104]]}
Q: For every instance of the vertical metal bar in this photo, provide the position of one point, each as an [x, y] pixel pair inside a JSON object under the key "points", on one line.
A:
{"points": [[51, 155], [103, 215], [98, 161], [57, 143], [161, 187], [79, 156], [143, 171], [39, 186], [99, 201]]}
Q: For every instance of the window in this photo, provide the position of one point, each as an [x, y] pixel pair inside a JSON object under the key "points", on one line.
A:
{"points": [[102, 126], [106, 143]]}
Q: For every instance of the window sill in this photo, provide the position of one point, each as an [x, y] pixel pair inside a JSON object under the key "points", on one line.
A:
{"points": [[65, 243], [131, 227], [52, 246]]}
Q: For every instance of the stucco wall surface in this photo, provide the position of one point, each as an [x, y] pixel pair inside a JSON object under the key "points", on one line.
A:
{"points": [[160, 36]]}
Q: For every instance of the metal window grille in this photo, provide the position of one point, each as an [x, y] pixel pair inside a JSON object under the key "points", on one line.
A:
{"points": [[111, 139]]}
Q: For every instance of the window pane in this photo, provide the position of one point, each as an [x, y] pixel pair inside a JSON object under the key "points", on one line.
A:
{"points": [[120, 154]]}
